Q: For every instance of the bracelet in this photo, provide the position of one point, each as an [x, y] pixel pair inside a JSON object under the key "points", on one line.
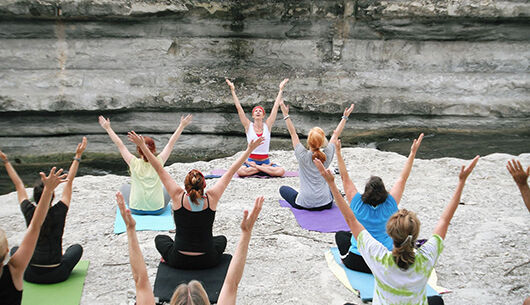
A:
{"points": [[77, 159], [345, 117], [6, 161], [286, 117]]}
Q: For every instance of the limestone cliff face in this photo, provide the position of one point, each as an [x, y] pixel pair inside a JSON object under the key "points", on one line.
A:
{"points": [[407, 65]]}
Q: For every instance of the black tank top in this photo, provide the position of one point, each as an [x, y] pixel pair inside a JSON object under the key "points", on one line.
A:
{"points": [[49, 248], [8, 293], [193, 229]]}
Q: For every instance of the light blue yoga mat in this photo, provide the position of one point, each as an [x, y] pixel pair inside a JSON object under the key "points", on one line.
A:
{"points": [[162, 222], [360, 282]]}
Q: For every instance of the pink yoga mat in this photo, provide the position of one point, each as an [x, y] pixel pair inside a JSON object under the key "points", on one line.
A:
{"points": [[327, 221], [222, 171]]}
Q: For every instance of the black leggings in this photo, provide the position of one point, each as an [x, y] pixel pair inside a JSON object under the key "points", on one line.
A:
{"points": [[166, 247], [290, 194], [349, 259], [50, 275]]}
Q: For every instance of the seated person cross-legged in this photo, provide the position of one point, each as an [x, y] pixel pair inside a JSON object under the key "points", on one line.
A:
{"points": [[49, 264], [372, 209], [146, 194], [194, 208]]}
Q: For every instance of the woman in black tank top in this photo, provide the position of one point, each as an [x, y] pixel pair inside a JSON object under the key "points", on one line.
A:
{"points": [[194, 246], [11, 283]]}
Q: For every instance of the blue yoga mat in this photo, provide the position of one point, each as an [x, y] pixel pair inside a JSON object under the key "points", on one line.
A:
{"points": [[360, 282], [161, 222]]}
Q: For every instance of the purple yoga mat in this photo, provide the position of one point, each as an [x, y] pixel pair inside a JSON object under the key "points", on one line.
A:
{"points": [[326, 221], [287, 174]]}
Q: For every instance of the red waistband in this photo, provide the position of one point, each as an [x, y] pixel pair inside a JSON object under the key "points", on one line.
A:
{"points": [[258, 157]]}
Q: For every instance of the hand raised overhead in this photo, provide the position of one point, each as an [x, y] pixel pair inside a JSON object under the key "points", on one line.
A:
{"points": [[130, 223], [520, 176], [230, 84], [338, 146], [185, 120], [135, 138], [81, 146], [54, 178], [282, 84], [249, 219], [348, 110], [466, 170], [105, 123], [416, 144]]}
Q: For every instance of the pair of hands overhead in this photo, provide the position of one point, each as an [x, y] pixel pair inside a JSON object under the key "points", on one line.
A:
{"points": [[232, 88], [78, 151], [464, 171], [249, 219], [184, 121], [138, 140]]}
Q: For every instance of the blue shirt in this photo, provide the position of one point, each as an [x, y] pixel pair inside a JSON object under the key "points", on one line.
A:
{"points": [[373, 219]]}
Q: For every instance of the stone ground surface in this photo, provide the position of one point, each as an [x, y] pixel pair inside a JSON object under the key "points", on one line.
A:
{"points": [[486, 242]]}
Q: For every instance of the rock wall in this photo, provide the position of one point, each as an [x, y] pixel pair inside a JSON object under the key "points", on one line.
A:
{"points": [[440, 66]]}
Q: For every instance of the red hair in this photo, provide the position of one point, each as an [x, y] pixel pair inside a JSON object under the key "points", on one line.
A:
{"points": [[150, 144], [194, 183]]}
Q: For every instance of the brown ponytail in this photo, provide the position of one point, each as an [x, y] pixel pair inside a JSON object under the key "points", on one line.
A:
{"points": [[403, 227], [315, 140], [194, 184]]}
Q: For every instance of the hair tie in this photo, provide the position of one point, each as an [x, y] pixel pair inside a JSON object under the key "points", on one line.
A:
{"points": [[408, 239]]}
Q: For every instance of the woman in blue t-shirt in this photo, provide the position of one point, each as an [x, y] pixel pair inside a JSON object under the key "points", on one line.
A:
{"points": [[373, 208]]}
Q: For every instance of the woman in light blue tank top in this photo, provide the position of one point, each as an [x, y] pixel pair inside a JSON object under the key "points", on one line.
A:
{"points": [[373, 208]]}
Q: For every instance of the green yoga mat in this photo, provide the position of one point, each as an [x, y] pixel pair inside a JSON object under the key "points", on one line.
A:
{"points": [[64, 293]]}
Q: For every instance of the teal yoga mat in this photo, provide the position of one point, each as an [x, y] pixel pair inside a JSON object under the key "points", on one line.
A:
{"points": [[65, 293], [162, 222], [361, 282]]}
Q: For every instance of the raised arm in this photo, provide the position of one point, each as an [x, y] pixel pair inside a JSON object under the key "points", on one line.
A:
{"points": [[342, 123], [219, 187], [355, 226], [447, 215], [67, 191], [184, 121], [173, 189], [228, 293], [105, 124], [19, 185], [521, 179], [399, 186], [290, 126], [242, 117], [144, 292], [20, 260], [349, 187], [272, 117]]}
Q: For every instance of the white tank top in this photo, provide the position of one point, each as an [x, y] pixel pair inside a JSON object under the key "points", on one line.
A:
{"points": [[263, 149]]}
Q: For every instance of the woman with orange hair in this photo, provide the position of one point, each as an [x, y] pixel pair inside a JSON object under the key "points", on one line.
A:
{"points": [[314, 193], [194, 208], [145, 195]]}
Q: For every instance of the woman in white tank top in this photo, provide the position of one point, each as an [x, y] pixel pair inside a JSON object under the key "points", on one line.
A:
{"points": [[259, 162]]}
